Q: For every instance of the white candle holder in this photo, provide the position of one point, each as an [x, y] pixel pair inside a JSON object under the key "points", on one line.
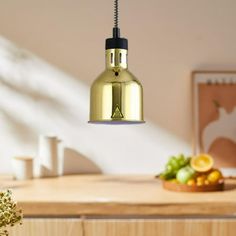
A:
{"points": [[47, 161], [22, 167]]}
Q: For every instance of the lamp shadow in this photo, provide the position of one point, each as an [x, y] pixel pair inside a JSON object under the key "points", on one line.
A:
{"points": [[76, 163]]}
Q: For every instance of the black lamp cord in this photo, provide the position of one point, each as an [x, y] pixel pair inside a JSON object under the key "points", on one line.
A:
{"points": [[116, 13], [116, 30], [116, 41]]}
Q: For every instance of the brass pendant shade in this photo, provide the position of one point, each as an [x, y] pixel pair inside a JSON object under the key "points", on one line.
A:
{"points": [[116, 96]]}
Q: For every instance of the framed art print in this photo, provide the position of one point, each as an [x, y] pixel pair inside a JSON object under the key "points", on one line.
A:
{"points": [[214, 117]]}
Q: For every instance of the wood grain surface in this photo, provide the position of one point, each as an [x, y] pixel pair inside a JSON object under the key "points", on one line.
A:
{"points": [[116, 195], [48, 227], [167, 227]]}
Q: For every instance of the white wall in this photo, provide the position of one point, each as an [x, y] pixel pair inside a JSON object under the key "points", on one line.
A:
{"points": [[168, 39], [36, 98]]}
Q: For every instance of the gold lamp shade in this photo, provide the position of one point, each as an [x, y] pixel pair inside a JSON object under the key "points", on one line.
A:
{"points": [[116, 96]]}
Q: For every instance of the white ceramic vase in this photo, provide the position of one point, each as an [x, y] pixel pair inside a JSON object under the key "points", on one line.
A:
{"points": [[47, 161], [22, 168]]}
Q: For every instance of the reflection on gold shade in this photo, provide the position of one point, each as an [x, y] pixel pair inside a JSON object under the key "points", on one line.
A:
{"points": [[116, 96]]}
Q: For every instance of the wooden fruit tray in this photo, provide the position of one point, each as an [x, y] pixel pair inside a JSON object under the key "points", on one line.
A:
{"points": [[172, 186]]}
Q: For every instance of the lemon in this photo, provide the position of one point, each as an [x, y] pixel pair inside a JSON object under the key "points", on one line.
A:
{"points": [[202, 162], [214, 176]]}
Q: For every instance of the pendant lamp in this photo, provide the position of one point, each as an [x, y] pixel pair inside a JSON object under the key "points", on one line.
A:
{"points": [[116, 96]]}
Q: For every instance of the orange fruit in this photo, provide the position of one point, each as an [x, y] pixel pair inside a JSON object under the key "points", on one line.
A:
{"points": [[200, 183], [201, 180], [191, 182], [214, 176], [202, 162]]}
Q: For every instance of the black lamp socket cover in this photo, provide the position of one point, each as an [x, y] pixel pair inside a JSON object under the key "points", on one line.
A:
{"points": [[121, 43], [116, 41]]}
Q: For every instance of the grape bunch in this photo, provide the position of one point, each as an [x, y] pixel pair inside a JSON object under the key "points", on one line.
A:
{"points": [[174, 164]]}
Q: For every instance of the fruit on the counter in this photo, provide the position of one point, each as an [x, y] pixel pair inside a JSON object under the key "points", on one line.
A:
{"points": [[202, 162], [201, 177], [201, 180], [177, 162], [191, 182], [167, 175], [184, 174], [182, 160], [194, 171], [214, 176], [200, 183], [173, 165]]}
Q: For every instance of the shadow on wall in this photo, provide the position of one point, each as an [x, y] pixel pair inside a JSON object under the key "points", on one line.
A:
{"points": [[39, 99], [20, 130], [76, 163]]}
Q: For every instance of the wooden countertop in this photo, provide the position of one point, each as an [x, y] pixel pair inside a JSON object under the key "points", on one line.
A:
{"points": [[116, 195]]}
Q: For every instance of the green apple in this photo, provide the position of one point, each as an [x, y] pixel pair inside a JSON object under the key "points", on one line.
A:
{"points": [[185, 174]]}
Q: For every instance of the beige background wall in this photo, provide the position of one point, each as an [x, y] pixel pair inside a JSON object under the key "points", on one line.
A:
{"points": [[167, 40]]}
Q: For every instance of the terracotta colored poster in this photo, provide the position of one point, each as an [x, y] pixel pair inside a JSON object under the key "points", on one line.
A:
{"points": [[215, 117]]}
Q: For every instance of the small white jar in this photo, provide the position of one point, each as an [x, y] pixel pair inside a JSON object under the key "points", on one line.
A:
{"points": [[22, 167]]}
